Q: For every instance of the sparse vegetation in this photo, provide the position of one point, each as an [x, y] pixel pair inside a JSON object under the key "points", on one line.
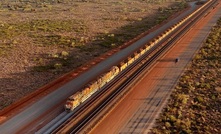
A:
{"points": [[41, 38], [195, 104], [59, 32]]}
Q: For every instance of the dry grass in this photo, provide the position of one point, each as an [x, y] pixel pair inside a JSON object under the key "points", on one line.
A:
{"points": [[195, 104], [41, 41]]}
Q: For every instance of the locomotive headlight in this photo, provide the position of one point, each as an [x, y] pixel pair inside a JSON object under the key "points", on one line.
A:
{"points": [[67, 107]]}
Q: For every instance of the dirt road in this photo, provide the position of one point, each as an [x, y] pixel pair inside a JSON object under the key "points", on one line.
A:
{"points": [[137, 112]]}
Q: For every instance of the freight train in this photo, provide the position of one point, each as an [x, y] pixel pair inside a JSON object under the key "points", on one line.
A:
{"points": [[79, 97], [82, 95]]}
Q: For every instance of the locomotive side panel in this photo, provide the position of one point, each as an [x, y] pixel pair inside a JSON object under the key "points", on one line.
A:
{"points": [[123, 65], [147, 47], [142, 51], [117, 70], [99, 82], [129, 60], [93, 86], [104, 79], [136, 55], [108, 75]]}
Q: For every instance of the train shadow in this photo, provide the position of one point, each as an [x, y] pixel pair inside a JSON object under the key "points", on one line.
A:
{"points": [[50, 68], [167, 60]]}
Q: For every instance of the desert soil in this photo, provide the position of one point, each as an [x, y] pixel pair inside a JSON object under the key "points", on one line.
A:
{"points": [[194, 105], [40, 41]]}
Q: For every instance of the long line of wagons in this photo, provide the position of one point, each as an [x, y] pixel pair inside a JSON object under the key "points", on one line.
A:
{"points": [[80, 96]]}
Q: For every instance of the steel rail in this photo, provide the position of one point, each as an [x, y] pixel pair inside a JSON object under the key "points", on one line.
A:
{"points": [[103, 91], [106, 90], [143, 67], [113, 83]]}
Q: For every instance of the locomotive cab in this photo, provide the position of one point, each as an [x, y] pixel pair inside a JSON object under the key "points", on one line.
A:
{"points": [[68, 105], [72, 102]]}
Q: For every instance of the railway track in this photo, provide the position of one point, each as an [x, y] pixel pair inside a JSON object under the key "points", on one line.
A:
{"points": [[96, 99], [84, 115], [19, 105], [60, 121]]}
